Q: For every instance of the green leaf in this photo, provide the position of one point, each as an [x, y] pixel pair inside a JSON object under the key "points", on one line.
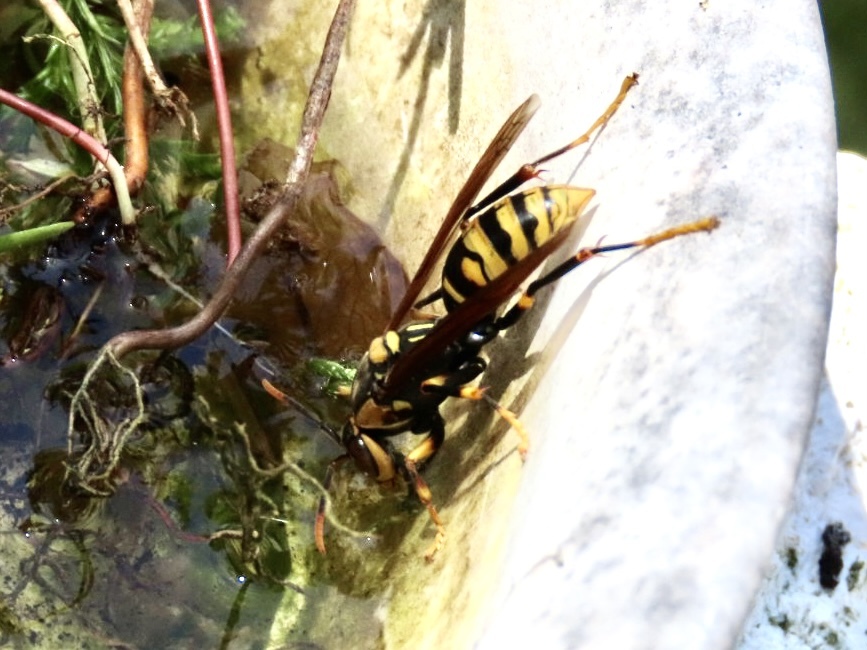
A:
{"points": [[14, 240]]}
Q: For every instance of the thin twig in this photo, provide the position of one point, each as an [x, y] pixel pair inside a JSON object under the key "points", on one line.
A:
{"points": [[314, 112], [170, 99], [48, 189], [79, 325], [140, 45], [157, 271], [224, 128]]}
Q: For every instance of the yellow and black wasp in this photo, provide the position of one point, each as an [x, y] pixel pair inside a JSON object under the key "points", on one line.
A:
{"points": [[493, 246]]}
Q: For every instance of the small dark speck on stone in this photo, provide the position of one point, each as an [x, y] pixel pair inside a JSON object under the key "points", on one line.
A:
{"points": [[834, 538], [791, 557], [854, 574], [781, 621]]}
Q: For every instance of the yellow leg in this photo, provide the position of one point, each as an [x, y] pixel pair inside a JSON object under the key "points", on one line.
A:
{"points": [[475, 393], [425, 496]]}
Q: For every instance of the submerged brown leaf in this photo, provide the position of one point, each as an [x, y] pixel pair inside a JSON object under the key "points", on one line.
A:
{"points": [[329, 282]]}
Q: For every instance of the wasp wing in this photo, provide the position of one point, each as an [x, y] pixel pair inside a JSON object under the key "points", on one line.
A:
{"points": [[489, 161], [467, 315]]}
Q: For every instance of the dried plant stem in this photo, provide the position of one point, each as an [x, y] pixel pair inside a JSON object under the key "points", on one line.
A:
{"points": [[314, 112], [170, 99], [140, 45], [104, 451]]}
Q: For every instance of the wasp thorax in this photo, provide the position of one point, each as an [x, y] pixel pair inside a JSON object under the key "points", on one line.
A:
{"points": [[382, 348]]}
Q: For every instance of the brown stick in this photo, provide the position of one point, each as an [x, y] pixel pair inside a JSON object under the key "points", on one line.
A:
{"points": [[314, 112], [134, 109]]}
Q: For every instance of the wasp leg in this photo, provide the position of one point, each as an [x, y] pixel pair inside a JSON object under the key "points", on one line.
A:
{"points": [[476, 393], [451, 385], [527, 300], [418, 456], [628, 83], [437, 385], [319, 522], [432, 297], [530, 171]]}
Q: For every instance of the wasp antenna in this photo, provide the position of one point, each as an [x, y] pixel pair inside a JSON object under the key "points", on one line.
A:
{"points": [[280, 396]]}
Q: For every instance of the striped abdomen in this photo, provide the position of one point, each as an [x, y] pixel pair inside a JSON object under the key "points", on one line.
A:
{"points": [[506, 233]]}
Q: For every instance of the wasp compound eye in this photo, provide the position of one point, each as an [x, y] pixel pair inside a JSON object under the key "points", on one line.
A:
{"points": [[370, 457], [362, 457]]}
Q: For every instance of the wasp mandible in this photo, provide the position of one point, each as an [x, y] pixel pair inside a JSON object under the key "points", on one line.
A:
{"points": [[490, 248]]}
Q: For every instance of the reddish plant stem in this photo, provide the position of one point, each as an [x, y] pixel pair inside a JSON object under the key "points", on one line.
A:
{"points": [[57, 123], [83, 140], [224, 127]]}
